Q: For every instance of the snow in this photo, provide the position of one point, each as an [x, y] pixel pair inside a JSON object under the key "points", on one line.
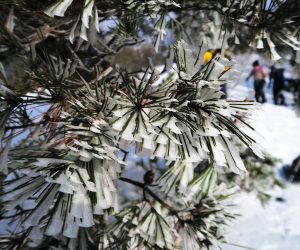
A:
{"points": [[277, 225], [280, 127], [274, 227]]}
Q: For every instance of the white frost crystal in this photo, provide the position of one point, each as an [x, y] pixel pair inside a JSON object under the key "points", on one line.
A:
{"points": [[59, 8], [88, 11], [184, 121]]}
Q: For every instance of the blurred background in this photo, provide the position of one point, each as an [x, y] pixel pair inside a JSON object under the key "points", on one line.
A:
{"points": [[275, 225], [268, 205]]}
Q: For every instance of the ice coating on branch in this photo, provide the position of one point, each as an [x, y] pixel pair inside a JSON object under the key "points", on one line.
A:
{"points": [[89, 16], [184, 121], [59, 8]]}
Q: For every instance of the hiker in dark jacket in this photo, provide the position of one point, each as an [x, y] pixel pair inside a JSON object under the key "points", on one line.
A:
{"points": [[277, 80]]}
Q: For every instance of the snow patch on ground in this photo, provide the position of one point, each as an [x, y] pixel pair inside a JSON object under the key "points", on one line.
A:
{"points": [[277, 225], [274, 227]]}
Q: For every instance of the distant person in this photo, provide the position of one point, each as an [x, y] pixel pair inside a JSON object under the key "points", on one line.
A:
{"points": [[277, 80], [259, 75]]}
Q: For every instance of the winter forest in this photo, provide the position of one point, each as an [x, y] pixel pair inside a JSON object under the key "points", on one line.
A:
{"points": [[140, 125]]}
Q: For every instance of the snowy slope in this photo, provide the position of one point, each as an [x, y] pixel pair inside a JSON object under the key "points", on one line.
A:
{"points": [[277, 225], [278, 127]]}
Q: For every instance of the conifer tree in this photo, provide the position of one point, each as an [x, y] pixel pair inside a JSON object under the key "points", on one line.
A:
{"points": [[94, 156]]}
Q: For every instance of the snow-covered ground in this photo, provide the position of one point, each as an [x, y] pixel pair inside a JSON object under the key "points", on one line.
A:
{"points": [[277, 225]]}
